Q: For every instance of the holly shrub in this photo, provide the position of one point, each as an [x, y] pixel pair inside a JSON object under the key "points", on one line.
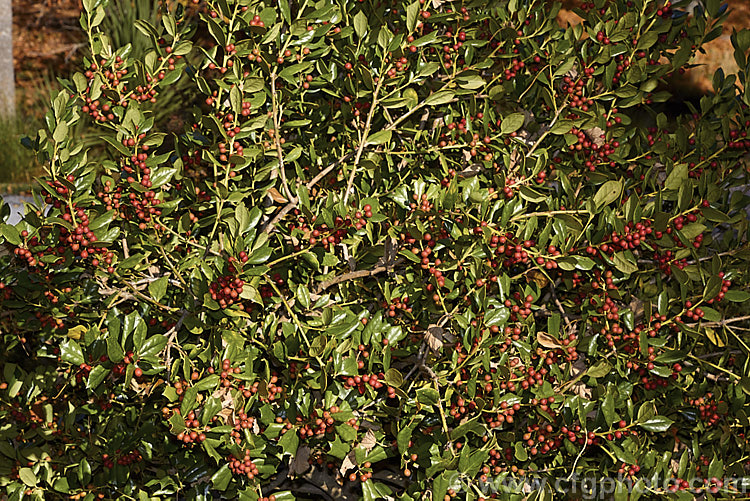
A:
{"points": [[386, 250]]}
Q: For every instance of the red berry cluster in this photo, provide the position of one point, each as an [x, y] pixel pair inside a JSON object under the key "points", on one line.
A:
{"points": [[317, 424], [329, 236], [122, 459], [708, 408], [739, 139], [421, 202], [80, 240], [121, 367], [242, 422], [520, 307], [373, 380], [113, 72], [397, 304], [243, 466], [631, 238], [593, 151], [133, 204], [83, 373], [399, 65], [194, 432], [227, 290], [575, 89], [541, 438]]}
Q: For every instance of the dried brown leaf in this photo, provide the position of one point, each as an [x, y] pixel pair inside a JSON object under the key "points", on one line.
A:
{"points": [[348, 463], [547, 341], [276, 196], [579, 388], [299, 463], [436, 337], [368, 441], [536, 276], [227, 404]]}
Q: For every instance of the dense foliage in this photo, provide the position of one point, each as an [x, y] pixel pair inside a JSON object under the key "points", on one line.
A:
{"points": [[388, 250]]}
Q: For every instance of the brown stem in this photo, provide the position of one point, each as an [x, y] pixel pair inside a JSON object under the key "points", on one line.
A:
{"points": [[363, 139], [720, 323], [353, 275], [269, 227], [277, 140]]}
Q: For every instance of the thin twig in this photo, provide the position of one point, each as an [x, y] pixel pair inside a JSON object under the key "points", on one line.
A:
{"points": [[363, 139], [277, 140], [421, 356], [571, 328], [718, 353], [720, 323], [269, 227], [575, 463], [171, 335], [353, 275]]}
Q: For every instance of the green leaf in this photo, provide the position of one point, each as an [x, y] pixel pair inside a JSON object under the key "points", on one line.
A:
{"points": [[260, 255], [360, 24], [153, 345], [676, 177], [346, 432], [27, 477], [713, 287], [158, 288], [607, 193], [96, 376], [61, 132], [439, 97], [656, 424], [403, 438], [737, 296], [496, 316], [624, 264], [11, 234], [393, 378], [608, 406], [285, 12], [177, 423], [289, 441], [303, 296], [221, 478], [428, 396], [169, 24], [470, 462], [254, 84], [710, 314], [520, 452], [71, 352], [716, 468], [381, 137], [531, 195], [428, 69], [235, 99], [512, 123], [565, 67], [114, 350], [648, 39], [207, 383], [412, 11], [599, 369], [161, 176], [692, 230]]}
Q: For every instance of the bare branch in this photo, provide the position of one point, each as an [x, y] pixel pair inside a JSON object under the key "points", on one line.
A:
{"points": [[363, 140], [277, 140]]}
